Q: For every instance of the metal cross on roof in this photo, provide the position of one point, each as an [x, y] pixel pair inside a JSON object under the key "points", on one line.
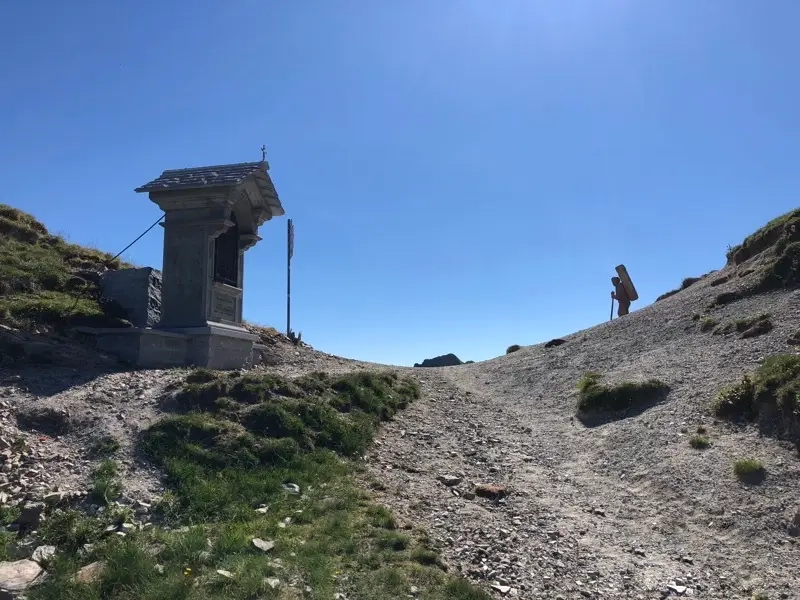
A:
{"points": [[263, 153]]}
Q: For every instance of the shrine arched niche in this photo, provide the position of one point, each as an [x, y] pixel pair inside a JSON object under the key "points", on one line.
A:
{"points": [[226, 254]]}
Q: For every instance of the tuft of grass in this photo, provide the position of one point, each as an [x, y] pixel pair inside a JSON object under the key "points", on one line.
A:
{"points": [[699, 442], [666, 295], [687, 282], [770, 396], [104, 446], [513, 348], [234, 443], [106, 486], [594, 396], [748, 468], [46, 281], [708, 324], [726, 298]]}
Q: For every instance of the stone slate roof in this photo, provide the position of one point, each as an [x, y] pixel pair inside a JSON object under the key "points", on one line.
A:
{"points": [[199, 177]]}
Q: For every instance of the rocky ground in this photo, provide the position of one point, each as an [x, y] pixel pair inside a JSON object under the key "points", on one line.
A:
{"points": [[627, 509], [516, 493]]}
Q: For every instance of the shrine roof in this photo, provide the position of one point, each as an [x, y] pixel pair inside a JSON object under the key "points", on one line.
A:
{"points": [[200, 177]]}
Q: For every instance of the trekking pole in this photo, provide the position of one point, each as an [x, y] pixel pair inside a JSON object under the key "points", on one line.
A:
{"points": [[611, 318]]}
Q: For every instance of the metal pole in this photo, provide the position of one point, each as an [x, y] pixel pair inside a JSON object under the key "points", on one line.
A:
{"points": [[289, 249]]}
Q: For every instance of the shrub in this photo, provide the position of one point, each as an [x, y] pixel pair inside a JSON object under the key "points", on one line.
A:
{"points": [[594, 396], [699, 442], [512, 348]]}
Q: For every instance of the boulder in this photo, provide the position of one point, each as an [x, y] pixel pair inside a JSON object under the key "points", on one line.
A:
{"points": [[91, 573], [16, 577], [446, 360], [490, 490], [43, 554], [554, 343]]}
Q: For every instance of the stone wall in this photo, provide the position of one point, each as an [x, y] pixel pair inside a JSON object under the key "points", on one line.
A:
{"points": [[138, 291]]}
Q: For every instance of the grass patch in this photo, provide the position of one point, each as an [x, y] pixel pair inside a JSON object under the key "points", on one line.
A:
{"points": [[749, 468], [594, 396], [747, 327], [781, 228], [666, 295], [513, 348], [777, 246], [687, 282], [707, 324], [229, 450], [769, 396], [104, 446], [106, 486], [699, 442], [46, 281]]}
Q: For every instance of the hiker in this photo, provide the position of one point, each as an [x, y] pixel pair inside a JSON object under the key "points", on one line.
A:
{"points": [[621, 296]]}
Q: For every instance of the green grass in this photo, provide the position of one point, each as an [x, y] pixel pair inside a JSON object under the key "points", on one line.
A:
{"points": [[708, 324], [768, 235], [513, 348], [748, 467], [699, 442], [594, 396], [769, 396], [104, 446], [106, 486], [46, 281], [747, 327], [229, 448]]}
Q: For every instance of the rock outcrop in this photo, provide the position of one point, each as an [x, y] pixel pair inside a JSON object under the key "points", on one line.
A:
{"points": [[446, 360]]}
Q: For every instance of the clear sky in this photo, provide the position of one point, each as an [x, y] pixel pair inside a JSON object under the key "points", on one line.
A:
{"points": [[462, 174]]}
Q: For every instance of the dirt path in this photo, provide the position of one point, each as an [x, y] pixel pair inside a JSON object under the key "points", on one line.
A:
{"points": [[622, 510]]}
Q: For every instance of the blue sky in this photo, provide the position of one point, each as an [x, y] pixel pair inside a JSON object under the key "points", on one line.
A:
{"points": [[462, 174]]}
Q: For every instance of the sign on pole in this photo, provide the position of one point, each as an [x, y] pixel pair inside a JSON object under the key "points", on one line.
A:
{"points": [[291, 239], [289, 254]]}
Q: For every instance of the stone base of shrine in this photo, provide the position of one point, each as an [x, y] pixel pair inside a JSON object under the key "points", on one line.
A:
{"points": [[214, 346]]}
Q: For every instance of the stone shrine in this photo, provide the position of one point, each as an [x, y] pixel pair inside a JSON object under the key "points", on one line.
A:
{"points": [[212, 216]]}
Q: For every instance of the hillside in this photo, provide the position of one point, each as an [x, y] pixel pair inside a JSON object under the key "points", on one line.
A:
{"points": [[624, 506], [492, 468]]}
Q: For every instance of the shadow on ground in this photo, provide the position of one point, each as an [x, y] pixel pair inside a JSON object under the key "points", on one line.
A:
{"points": [[597, 418]]}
